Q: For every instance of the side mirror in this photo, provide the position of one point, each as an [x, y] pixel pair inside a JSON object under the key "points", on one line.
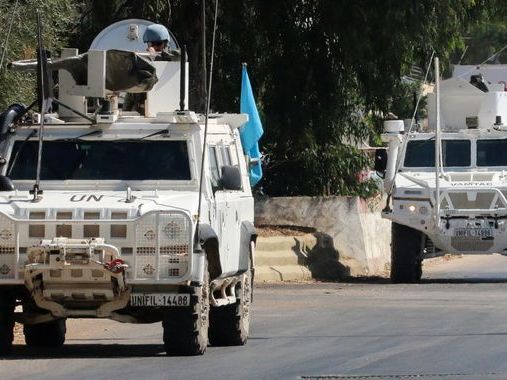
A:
{"points": [[231, 178], [251, 162], [380, 160], [6, 183]]}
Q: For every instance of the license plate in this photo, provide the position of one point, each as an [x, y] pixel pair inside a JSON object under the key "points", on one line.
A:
{"points": [[159, 299], [473, 233]]}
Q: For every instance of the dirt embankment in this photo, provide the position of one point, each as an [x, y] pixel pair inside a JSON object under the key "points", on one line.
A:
{"points": [[271, 230]]}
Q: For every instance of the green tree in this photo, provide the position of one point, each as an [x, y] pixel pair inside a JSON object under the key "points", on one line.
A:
{"points": [[58, 17], [320, 66], [485, 41], [323, 71]]}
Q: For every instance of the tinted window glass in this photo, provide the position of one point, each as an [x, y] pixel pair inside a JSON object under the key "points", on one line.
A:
{"points": [[213, 163], [103, 160], [421, 153], [491, 152], [227, 156], [456, 153]]}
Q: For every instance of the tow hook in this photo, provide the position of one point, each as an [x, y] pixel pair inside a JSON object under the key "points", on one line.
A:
{"points": [[116, 266], [447, 224]]}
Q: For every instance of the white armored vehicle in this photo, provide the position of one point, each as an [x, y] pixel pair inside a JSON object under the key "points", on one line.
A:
{"points": [[100, 208], [448, 182]]}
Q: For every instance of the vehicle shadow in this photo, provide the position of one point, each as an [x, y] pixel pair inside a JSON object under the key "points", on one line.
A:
{"points": [[92, 351], [478, 280], [464, 280], [400, 335], [375, 280]]}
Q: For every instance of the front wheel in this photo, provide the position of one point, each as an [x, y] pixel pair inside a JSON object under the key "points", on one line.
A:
{"points": [[6, 322], [406, 254], [49, 334], [186, 328], [230, 325]]}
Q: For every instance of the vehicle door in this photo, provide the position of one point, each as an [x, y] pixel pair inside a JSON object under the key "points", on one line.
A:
{"points": [[218, 210], [239, 207]]}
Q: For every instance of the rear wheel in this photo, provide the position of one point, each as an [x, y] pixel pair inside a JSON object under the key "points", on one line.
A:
{"points": [[6, 322], [406, 254], [49, 334], [186, 328], [230, 325]]}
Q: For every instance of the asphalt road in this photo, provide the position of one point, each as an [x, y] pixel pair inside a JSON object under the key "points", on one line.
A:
{"points": [[439, 329]]}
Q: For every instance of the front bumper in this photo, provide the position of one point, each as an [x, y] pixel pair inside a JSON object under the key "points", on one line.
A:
{"points": [[470, 220], [77, 278]]}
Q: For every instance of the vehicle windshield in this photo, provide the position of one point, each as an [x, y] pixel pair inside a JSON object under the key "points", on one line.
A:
{"points": [[101, 160], [491, 152], [421, 153]]}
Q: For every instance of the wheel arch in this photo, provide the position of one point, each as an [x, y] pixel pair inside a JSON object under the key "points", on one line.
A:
{"points": [[248, 235], [208, 239]]}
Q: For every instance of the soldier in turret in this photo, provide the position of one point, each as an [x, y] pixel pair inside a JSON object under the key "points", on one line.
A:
{"points": [[157, 37]]}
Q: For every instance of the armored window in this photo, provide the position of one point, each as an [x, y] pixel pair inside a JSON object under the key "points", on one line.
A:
{"points": [[226, 155], [233, 155], [421, 153], [492, 152], [456, 153], [213, 165], [102, 160]]}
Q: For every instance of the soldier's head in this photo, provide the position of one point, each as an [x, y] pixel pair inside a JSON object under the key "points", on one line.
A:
{"points": [[157, 37]]}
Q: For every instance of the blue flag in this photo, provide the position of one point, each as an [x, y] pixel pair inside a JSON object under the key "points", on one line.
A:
{"points": [[251, 131]]}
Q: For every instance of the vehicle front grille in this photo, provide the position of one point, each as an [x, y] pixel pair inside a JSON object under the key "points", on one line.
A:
{"points": [[482, 200], [156, 246], [465, 245]]}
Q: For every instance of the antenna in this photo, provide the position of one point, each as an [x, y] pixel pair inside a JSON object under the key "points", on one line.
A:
{"points": [[401, 153], [6, 42], [206, 116], [183, 76], [44, 100], [204, 79], [438, 143]]}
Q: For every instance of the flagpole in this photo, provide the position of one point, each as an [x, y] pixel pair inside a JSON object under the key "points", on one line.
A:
{"points": [[252, 131], [206, 117], [437, 143]]}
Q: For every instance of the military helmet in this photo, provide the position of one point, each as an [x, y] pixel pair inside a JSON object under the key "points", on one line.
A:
{"points": [[156, 32]]}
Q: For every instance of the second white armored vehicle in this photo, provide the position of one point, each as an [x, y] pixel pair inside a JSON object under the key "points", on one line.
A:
{"points": [[448, 183], [115, 226]]}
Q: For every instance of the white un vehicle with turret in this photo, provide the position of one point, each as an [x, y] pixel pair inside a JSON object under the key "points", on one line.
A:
{"points": [[448, 183], [100, 207]]}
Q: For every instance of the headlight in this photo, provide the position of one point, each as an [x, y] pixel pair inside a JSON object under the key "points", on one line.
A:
{"points": [[145, 231], [413, 208], [150, 235], [175, 229]]}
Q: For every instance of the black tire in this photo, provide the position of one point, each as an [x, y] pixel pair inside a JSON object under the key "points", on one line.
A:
{"points": [[186, 328], [50, 334], [406, 254], [230, 325], [7, 303]]}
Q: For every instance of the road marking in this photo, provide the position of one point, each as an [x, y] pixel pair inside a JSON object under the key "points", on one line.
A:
{"points": [[405, 376]]}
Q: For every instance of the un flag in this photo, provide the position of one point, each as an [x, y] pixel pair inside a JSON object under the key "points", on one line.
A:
{"points": [[251, 131]]}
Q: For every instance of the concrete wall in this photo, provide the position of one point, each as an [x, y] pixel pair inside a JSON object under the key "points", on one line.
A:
{"points": [[350, 225]]}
